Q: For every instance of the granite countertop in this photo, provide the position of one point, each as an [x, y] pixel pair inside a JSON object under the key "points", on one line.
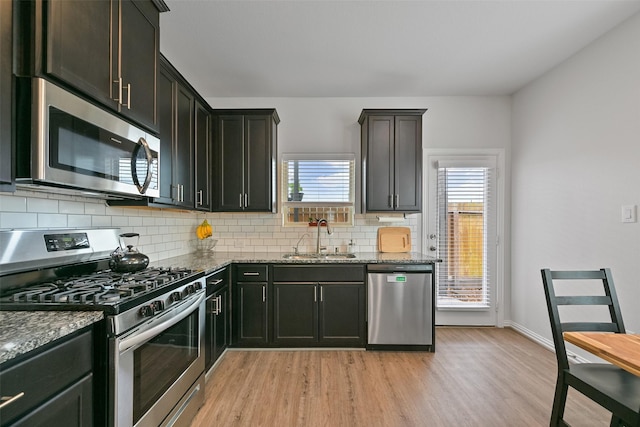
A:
{"points": [[23, 331], [211, 261]]}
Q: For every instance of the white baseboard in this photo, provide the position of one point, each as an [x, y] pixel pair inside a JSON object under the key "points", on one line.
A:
{"points": [[547, 343]]}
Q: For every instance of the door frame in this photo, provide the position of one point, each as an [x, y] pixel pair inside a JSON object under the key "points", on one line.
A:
{"points": [[498, 155]]}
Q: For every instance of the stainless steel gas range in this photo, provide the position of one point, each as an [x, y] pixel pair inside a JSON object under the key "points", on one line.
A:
{"points": [[154, 331]]}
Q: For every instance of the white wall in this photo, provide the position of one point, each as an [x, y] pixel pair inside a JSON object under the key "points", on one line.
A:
{"points": [[575, 162]]}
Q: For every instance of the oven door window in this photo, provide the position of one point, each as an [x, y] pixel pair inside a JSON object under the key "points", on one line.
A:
{"points": [[159, 363], [81, 147]]}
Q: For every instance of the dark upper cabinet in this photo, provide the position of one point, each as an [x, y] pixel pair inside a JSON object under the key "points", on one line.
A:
{"points": [[183, 147], [245, 149], [107, 50], [202, 157], [6, 99], [391, 160], [176, 113]]}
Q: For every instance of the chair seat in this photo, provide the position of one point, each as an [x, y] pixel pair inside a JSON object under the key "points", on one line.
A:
{"points": [[619, 388]]}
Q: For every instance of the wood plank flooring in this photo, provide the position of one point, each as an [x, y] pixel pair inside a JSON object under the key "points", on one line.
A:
{"points": [[477, 377]]}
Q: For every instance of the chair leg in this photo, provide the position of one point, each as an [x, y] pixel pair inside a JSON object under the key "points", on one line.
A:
{"points": [[559, 401]]}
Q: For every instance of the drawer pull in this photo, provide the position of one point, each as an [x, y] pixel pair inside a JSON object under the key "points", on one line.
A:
{"points": [[7, 400], [250, 273], [215, 282]]}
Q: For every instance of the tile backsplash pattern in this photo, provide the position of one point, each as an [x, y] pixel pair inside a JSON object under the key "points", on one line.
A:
{"points": [[167, 232]]}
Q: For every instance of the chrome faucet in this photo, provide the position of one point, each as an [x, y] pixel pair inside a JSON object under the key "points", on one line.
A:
{"points": [[329, 231], [295, 249]]}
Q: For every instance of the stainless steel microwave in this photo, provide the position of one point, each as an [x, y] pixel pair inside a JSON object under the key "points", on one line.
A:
{"points": [[65, 142]]}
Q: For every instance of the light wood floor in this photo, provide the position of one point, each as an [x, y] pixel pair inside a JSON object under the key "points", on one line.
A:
{"points": [[477, 377]]}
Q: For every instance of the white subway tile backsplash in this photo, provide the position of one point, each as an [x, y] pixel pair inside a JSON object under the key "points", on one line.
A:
{"points": [[41, 205], [167, 233], [70, 207], [13, 204], [100, 221], [49, 220], [94, 209], [11, 220], [78, 221]]}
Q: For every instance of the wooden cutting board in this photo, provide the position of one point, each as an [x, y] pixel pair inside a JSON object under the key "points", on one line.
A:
{"points": [[394, 239]]}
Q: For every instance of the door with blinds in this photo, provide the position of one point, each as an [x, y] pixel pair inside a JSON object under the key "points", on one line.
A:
{"points": [[462, 232]]}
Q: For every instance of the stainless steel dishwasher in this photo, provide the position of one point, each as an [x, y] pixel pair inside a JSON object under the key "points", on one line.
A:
{"points": [[400, 307]]}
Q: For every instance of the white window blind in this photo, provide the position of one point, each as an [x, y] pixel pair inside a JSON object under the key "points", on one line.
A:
{"points": [[314, 187], [465, 226]]}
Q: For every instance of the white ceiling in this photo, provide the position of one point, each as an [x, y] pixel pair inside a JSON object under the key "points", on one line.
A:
{"points": [[346, 48]]}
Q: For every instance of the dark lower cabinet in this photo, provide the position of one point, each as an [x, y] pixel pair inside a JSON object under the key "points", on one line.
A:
{"points": [[251, 314], [57, 382], [295, 313], [342, 314], [326, 312], [250, 290], [217, 332]]}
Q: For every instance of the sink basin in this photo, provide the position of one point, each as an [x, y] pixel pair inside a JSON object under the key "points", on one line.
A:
{"points": [[300, 256], [318, 256]]}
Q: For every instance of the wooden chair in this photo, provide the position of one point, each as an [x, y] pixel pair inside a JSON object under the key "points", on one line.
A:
{"points": [[613, 388]]}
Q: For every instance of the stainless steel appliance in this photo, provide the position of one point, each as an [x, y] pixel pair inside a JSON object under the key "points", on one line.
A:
{"points": [[400, 307], [66, 142], [154, 318]]}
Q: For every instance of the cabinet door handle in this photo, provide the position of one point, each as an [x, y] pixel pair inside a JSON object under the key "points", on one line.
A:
{"points": [[397, 201], [214, 306], [390, 201], [246, 200], [321, 294], [8, 400], [240, 204], [264, 293], [315, 293], [128, 104], [119, 98], [200, 196], [181, 192], [218, 304]]}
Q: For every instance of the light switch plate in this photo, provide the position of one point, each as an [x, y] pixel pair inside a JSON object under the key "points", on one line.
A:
{"points": [[629, 213]]}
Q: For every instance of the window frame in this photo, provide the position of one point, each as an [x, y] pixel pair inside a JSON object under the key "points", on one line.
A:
{"points": [[346, 210]]}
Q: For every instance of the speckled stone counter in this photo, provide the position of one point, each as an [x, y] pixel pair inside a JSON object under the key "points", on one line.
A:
{"points": [[23, 331], [210, 261]]}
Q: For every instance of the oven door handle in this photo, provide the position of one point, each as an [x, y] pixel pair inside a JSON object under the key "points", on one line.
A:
{"points": [[135, 338]]}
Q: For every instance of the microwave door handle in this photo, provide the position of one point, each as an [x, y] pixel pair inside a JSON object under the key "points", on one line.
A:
{"points": [[142, 143]]}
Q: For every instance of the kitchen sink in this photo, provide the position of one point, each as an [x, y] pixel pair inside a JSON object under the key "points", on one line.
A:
{"points": [[319, 256]]}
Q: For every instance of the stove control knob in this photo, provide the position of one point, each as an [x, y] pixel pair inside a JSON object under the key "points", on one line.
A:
{"points": [[147, 310], [176, 296], [189, 289], [158, 305], [197, 285]]}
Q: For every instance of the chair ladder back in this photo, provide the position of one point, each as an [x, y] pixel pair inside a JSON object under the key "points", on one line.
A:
{"points": [[609, 299]]}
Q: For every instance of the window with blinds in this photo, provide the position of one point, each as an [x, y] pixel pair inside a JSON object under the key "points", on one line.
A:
{"points": [[464, 204], [314, 188]]}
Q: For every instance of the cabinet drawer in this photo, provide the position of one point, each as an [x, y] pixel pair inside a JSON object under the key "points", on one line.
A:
{"points": [[45, 374], [317, 273], [217, 280], [251, 273]]}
